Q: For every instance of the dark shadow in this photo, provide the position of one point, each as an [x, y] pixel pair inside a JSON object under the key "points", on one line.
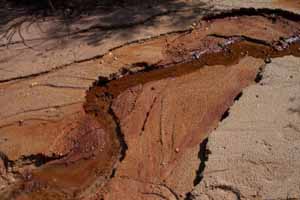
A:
{"points": [[203, 156], [294, 110], [225, 115], [90, 21]]}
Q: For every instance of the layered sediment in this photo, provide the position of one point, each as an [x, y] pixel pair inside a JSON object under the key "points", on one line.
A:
{"points": [[140, 131]]}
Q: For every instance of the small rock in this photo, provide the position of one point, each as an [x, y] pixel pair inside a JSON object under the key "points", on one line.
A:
{"points": [[193, 25], [33, 84], [177, 150], [267, 60], [20, 122]]}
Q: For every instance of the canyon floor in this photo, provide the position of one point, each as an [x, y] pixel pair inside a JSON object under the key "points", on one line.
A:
{"points": [[177, 100]]}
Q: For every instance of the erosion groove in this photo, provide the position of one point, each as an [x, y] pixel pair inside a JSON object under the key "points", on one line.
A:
{"points": [[120, 136], [175, 104]]}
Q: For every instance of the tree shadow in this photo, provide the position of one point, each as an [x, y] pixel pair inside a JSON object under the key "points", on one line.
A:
{"points": [[93, 25]]}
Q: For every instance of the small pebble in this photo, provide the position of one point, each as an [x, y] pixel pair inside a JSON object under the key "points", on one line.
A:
{"points": [[177, 150], [33, 84], [268, 60], [21, 122]]}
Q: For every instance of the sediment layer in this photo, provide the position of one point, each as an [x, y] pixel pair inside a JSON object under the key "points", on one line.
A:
{"points": [[139, 133]]}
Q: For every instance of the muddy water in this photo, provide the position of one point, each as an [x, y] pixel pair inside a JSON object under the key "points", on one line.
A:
{"points": [[101, 139]]}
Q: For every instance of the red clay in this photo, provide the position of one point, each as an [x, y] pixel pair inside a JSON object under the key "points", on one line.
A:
{"points": [[139, 136]]}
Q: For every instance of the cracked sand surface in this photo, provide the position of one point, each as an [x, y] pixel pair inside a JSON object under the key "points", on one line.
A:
{"points": [[69, 81], [59, 95]]}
